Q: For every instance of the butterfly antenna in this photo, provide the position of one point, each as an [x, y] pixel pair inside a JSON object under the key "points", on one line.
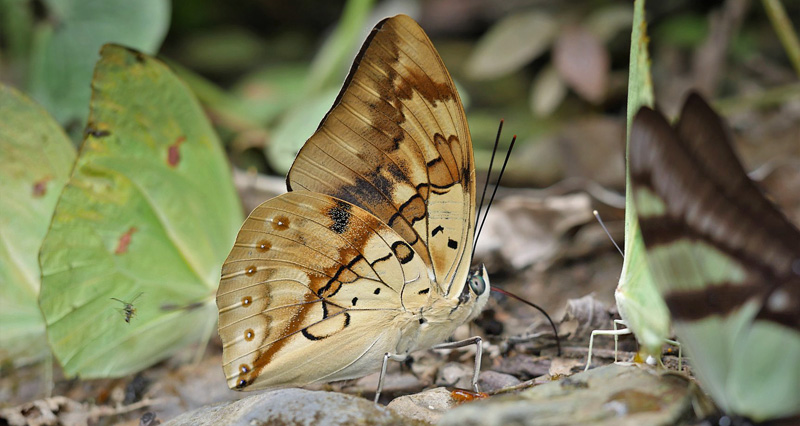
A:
{"points": [[488, 174], [597, 216], [539, 308], [494, 191]]}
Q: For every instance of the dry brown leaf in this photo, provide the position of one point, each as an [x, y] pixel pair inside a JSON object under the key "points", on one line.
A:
{"points": [[523, 231], [547, 92], [582, 316], [583, 62]]}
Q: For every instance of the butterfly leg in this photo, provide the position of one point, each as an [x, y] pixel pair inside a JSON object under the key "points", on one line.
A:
{"points": [[616, 336], [616, 333], [386, 357], [478, 352]]}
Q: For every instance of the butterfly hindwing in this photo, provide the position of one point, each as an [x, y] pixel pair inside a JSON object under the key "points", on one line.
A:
{"points": [[306, 268], [726, 261], [396, 143]]}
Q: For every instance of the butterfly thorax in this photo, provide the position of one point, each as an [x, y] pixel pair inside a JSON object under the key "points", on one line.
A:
{"points": [[442, 314]]}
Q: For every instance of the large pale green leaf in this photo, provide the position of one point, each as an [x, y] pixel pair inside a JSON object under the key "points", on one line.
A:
{"points": [[66, 45], [150, 209], [638, 300], [35, 160]]}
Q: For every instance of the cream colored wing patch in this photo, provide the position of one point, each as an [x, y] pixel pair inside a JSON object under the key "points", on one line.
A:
{"points": [[307, 267], [396, 143]]}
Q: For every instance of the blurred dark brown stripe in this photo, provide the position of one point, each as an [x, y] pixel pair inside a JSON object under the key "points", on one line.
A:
{"points": [[720, 299]]}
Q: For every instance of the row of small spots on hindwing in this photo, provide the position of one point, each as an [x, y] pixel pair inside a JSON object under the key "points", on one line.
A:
{"points": [[246, 372], [249, 335]]}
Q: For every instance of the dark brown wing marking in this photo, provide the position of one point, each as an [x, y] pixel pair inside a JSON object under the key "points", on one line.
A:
{"points": [[396, 139], [709, 198]]}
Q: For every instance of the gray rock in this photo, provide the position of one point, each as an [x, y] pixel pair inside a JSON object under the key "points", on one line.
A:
{"points": [[608, 395], [524, 367], [455, 374], [427, 406], [293, 407], [492, 380]]}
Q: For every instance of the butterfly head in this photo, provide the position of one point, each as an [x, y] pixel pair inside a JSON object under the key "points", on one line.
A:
{"points": [[476, 291]]}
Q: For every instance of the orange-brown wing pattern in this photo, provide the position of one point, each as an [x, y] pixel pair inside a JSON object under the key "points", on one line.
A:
{"points": [[307, 267], [396, 143]]}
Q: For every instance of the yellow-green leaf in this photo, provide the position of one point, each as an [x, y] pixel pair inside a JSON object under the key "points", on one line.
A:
{"points": [[35, 160], [147, 217], [638, 300]]}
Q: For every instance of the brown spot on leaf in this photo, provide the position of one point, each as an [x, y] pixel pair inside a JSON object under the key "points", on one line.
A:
{"points": [[173, 152], [40, 187], [125, 241]]}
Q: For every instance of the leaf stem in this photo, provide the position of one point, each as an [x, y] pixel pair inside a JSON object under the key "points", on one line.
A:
{"points": [[786, 33]]}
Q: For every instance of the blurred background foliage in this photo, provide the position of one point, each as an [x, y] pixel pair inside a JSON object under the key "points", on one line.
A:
{"points": [[267, 71]]}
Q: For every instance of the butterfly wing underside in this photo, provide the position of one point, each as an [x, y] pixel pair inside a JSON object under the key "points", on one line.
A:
{"points": [[309, 276], [377, 226], [396, 143], [726, 260]]}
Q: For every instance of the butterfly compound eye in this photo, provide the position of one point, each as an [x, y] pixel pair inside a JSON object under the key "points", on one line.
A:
{"points": [[477, 284]]}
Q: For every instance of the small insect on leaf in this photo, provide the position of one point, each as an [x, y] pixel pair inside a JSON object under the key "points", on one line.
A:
{"points": [[128, 310]]}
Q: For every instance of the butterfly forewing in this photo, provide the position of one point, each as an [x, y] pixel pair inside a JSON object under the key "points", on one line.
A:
{"points": [[307, 267], [725, 259], [396, 143]]}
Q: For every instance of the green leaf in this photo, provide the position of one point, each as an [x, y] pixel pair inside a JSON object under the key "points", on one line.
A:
{"points": [[16, 28], [295, 127], [337, 51], [638, 300], [512, 43], [607, 21], [65, 48], [34, 166], [150, 209]]}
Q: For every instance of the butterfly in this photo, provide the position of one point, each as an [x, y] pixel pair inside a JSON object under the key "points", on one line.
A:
{"points": [[367, 256], [640, 306], [726, 261]]}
